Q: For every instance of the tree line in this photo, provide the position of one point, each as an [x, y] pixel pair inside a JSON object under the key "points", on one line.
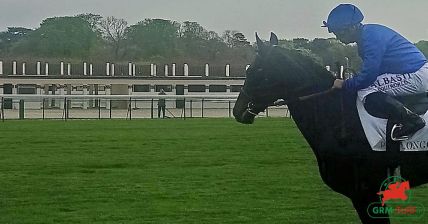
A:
{"points": [[94, 38]]}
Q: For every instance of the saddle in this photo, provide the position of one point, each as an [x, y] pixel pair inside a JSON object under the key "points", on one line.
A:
{"points": [[377, 127]]}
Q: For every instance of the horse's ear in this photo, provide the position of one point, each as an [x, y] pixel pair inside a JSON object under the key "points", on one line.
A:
{"points": [[273, 39], [261, 47], [259, 42]]}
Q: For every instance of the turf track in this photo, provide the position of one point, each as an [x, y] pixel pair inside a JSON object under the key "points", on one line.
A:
{"points": [[164, 171]]}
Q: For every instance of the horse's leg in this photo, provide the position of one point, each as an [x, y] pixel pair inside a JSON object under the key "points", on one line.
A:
{"points": [[361, 202]]}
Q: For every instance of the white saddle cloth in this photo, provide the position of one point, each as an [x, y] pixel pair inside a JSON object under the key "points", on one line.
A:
{"points": [[375, 130]]}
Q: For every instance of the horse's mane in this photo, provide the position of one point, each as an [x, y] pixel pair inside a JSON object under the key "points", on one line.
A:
{"points": [[298, 69]]}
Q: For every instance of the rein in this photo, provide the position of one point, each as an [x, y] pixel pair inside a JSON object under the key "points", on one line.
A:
{"points": [[252, 106], [303, 98]]}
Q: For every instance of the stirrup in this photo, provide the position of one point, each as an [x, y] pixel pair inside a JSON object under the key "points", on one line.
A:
{"points": [[401, 138]]}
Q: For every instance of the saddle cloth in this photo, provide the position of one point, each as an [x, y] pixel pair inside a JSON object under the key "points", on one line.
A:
{"points": [[375, 130]]}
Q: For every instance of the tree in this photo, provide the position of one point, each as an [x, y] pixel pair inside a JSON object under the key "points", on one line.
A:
{"points": [[286, 44], [60, 37], [300, 43], [239, 40], [94, 20], [423, 46], [198, 43], [11, 36], [332, 51], [153, 38], [213, 36], [113, 31], [325, 51], [234, 39], [193, 30], [227, 37]]}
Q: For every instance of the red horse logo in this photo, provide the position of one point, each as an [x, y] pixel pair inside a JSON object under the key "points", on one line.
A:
{"points": [[395, 190]]}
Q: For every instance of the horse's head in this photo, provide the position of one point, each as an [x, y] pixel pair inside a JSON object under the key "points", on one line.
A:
{"points": [[276, 73]]}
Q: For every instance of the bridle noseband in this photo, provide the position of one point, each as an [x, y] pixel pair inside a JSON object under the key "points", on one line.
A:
{"points": [[251, 106]]}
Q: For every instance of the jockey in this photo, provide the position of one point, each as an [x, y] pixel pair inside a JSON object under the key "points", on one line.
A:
{"points": [[392, 66]]}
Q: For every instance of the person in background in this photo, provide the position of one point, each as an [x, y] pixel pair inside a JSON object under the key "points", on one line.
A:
{"points": [[161, 104]]}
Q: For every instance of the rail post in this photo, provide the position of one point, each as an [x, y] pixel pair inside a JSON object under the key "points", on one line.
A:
{"points": [[229, 108], [191, 108], [43, 108], [99, 109], [68, 108], [202, 108], [21, 109], [184, 109], [130, 108], [110, 108], [151, 109], [2, 109], [64, 113]]}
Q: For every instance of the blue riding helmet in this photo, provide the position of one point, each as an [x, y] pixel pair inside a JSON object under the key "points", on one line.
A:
{"points": [[343, 16]]}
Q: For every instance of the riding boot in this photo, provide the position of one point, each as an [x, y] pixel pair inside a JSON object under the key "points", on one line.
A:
{"points": [[390, 108]]}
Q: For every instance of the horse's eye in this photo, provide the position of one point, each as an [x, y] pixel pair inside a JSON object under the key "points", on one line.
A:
{"points": [[260, 70]]}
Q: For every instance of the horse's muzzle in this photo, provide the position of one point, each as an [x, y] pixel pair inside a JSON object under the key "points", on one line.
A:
{"points": [[246, 117], [241, 110]]}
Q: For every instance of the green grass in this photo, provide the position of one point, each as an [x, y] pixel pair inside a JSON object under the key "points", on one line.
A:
{"points": [[163, 171]]}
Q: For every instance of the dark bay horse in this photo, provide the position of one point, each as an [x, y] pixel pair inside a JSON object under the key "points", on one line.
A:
{"points": [[329, 123]]}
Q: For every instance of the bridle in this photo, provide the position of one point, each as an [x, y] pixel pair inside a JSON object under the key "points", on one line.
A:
{"points": [[253, 109]]}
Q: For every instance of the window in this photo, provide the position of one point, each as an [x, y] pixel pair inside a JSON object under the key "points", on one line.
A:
{"points": [[141, 88], [26, 89], [166, 88], [217, 88], [235, 88], [196, 88]]}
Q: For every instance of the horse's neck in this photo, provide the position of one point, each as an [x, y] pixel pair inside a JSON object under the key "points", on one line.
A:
{"points": [[317, 117]]}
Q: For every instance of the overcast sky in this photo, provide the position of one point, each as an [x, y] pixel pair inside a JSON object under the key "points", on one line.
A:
{"points": [[287, 18]]}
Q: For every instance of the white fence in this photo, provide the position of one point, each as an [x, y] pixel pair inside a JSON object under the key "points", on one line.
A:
{"points": [[22, 106], [38, 68]]}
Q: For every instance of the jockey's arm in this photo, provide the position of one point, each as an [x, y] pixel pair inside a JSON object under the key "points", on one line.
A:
{"points": [[373, 51]]}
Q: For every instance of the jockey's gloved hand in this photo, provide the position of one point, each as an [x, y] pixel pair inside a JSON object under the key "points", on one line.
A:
{"points": [[338, 84]]}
